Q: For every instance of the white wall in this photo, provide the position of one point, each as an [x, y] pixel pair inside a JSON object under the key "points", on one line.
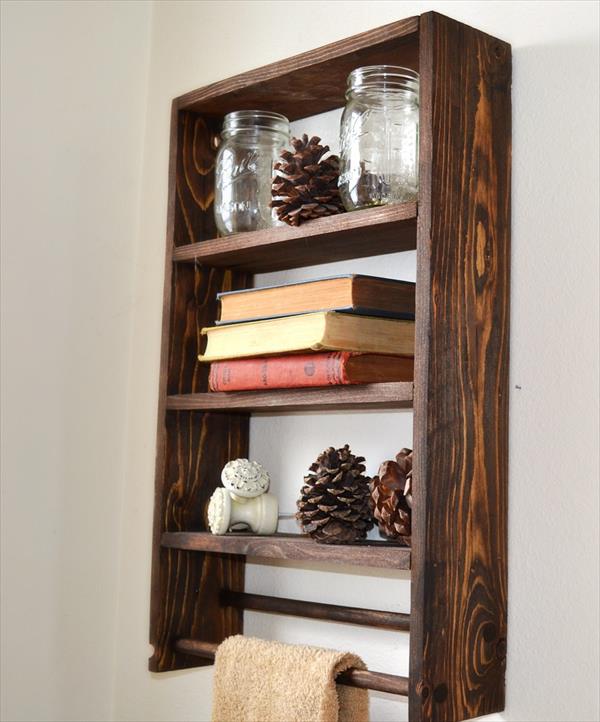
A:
{"points": [[74, 83], [553, 565], [287, 444]]}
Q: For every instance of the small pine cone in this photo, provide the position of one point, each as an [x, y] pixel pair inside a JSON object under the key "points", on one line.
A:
{"points": [[391, 497], [404, 459], [305, 186], [334, 505]]}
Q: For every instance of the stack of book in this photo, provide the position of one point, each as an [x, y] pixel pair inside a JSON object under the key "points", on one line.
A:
{"points": [[349, 329]]}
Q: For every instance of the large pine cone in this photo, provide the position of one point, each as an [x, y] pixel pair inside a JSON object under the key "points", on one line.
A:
{"points": [[391, 497], [305, 186], [334, 506]]}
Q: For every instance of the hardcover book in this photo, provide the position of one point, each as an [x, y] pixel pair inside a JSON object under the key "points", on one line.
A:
{"points": [[304, 370], [365, 295], [310, 332]]}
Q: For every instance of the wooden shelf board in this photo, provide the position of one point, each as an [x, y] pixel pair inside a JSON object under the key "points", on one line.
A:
{"points": [[312, 82], [382, 396], [370, 232], [385, 555]]}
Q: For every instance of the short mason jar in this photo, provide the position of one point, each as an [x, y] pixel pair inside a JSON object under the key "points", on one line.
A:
{"points": [[379, 137], [252, 141]]}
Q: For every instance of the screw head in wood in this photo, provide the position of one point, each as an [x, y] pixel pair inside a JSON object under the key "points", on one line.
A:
{"points": [[440, 693]]}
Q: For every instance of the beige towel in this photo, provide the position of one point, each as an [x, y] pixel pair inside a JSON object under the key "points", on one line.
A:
{"points": [[258, 681]]}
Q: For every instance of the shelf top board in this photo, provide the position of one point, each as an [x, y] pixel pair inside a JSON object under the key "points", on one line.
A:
{"points": [[314, 81], [384, 555], [369, 232], [380, 395]]}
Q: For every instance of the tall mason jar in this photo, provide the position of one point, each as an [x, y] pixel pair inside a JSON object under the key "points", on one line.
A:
{"points": [[251, 143], [379, 137]]}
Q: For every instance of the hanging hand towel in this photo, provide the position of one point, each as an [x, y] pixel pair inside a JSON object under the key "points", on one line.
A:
{"points": [[258, 681]]}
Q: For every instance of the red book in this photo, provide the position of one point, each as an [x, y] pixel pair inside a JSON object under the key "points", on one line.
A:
{"points": [[317, 369]]}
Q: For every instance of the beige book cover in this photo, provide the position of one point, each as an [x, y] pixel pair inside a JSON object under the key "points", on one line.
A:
{"points": [[324, 331]]}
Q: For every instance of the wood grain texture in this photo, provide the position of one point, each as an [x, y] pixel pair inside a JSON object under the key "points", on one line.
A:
{"points": [[385, 555], [312, 82], [193, 181], [362, 678], [458, 618], [317, 610], [362, 233], [382, 395], [192, 447]]}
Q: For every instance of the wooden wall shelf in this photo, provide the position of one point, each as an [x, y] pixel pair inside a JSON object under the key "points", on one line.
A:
{"points": [[334, 398], [293, 546], [461, 234]]}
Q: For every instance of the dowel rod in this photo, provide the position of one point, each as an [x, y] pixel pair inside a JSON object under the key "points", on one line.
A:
{"points": [[352, 678], [377, 681], [312, 610], [196, 647]]}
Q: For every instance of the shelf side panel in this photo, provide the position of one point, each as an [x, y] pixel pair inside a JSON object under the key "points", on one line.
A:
{"points": [[191, 447], [459, 591]]}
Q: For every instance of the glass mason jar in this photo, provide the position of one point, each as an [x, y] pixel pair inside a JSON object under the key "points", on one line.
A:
{"points": [[379, 137], [252, 141]]}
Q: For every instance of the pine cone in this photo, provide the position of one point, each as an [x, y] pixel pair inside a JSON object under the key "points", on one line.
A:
{"points": [[404, 459], [391, 497], [305, 186], [334, 505]]}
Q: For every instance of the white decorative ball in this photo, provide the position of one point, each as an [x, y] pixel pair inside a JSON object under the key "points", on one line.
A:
{"points": [[245, 478], [219, 511]]}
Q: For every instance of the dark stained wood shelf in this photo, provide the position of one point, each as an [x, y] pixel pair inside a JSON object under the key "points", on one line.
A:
{"points": [[369, 232], [376, 396], [384, 555], [461, 233]]}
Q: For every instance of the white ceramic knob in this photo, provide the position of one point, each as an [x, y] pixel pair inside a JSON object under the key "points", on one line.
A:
{"points": [[244, 478], [219, 511], [226, 512]]}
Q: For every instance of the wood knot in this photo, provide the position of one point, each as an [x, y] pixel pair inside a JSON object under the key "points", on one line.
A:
{"points": [[440, 693], [489, 632]]}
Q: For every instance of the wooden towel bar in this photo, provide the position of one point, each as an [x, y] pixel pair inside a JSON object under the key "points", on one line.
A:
{"points": [[352, 677], [315, 610]]}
